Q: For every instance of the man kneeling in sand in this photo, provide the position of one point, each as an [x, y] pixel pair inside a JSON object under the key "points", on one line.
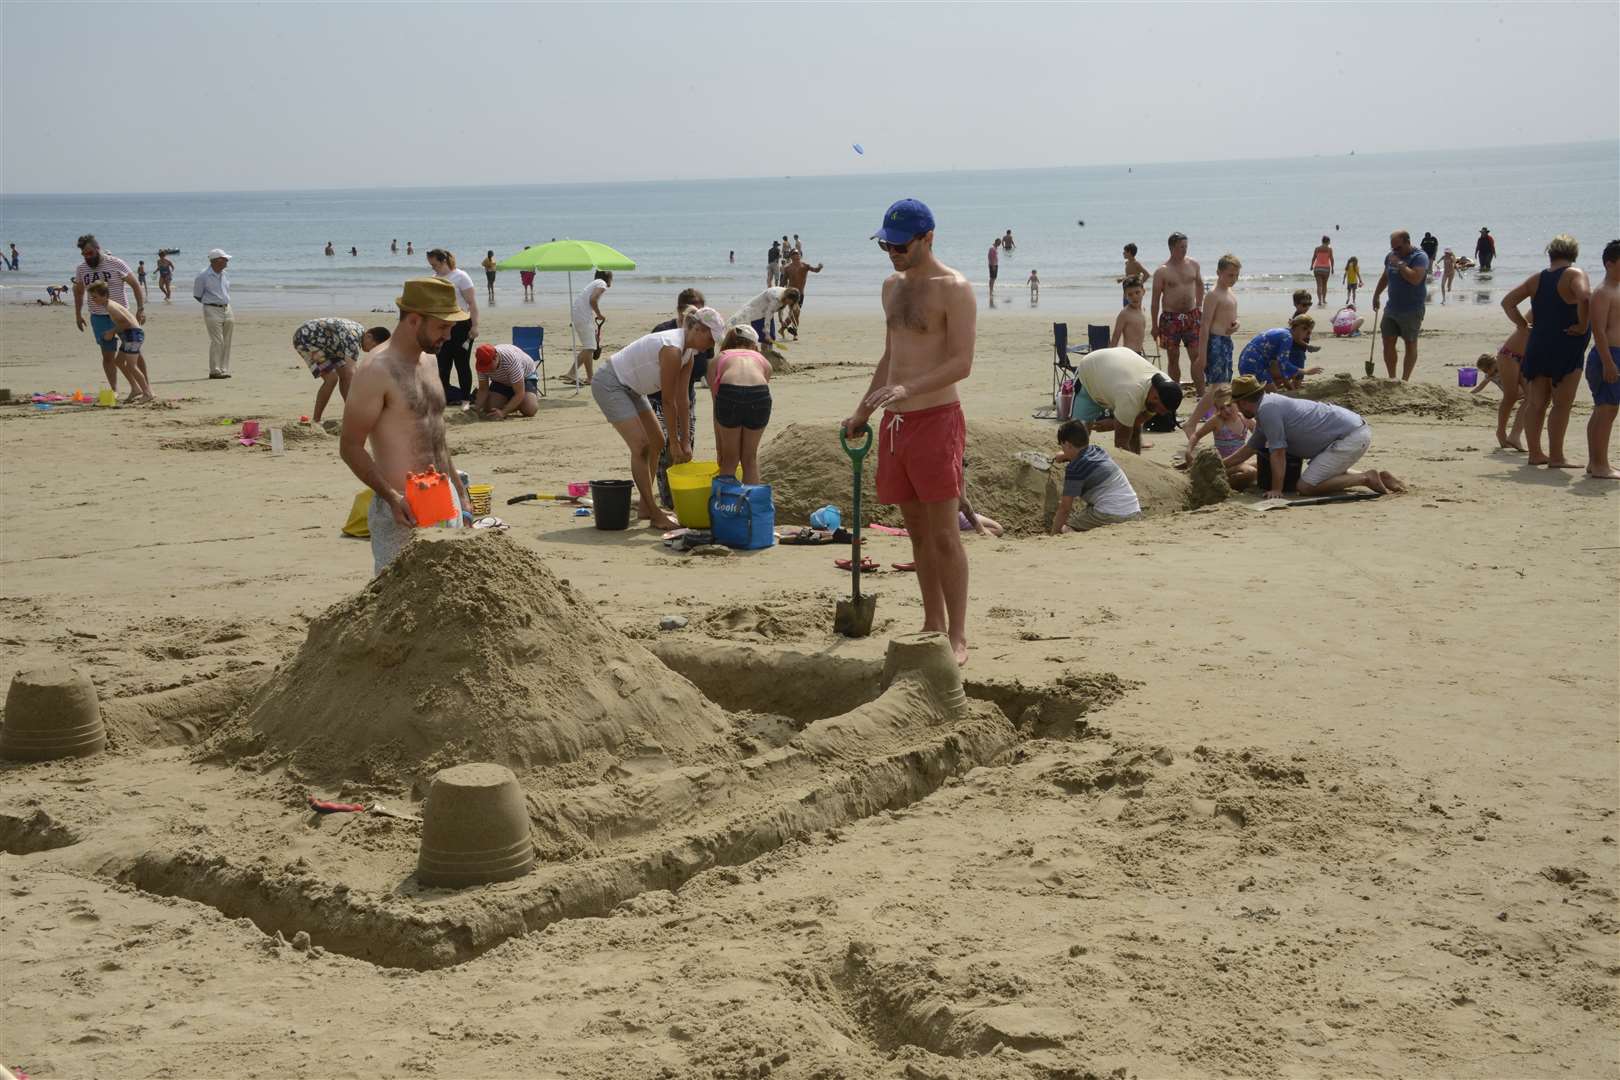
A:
{"points": [[396, 401], [1332, 437]]}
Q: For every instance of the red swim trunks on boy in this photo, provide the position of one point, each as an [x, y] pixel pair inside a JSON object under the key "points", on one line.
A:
{"points": [[920, 455], [1179, 327]]}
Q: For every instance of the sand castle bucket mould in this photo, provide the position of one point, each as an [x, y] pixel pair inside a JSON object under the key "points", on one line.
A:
{"points": [[51, 712], [475, 828]]}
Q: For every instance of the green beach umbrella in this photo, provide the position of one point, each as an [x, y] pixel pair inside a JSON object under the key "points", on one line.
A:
{"points": [[566, 256]]}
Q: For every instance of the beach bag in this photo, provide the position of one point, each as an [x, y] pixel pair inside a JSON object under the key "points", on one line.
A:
{"points": [[357, 525], [741, 515]]}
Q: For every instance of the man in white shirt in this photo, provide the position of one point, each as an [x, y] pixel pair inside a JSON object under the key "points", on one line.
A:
{"points": [[115, 273], [213, 291], [761, 310], [588, 319]]}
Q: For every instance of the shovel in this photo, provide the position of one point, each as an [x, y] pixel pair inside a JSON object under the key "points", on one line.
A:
{"points": [[853, 617]]}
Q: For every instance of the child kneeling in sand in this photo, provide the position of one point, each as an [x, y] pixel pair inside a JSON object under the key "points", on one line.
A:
{"points": [[130, 336], [1094, 478]]}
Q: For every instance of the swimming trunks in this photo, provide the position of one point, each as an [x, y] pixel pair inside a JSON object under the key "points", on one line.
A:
{"points": [[1603, 393], [99, 325], [531, 385], [1179, 327], [1218, 360], [993, 271], [920, 454], [131, 340]]}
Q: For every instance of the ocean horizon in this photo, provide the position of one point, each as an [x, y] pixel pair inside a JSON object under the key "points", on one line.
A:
{"points": [[1070, 224]]}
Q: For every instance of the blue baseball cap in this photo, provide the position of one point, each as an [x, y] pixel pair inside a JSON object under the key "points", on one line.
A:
{"points": [[904, 220]]}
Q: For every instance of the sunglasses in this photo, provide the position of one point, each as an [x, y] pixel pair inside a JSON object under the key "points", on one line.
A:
{"points": [[898, 249]]}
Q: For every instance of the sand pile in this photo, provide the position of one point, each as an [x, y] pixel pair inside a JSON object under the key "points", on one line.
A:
{"points": [[1371, 397], [807, 469], [468, 648]]}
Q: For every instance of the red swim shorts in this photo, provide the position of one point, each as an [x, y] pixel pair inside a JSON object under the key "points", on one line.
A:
{"points": [[920, 455], [1180, 327]]}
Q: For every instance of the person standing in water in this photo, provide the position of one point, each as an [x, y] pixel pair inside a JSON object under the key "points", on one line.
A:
{"points": [[1485, 249], [931, 322]]}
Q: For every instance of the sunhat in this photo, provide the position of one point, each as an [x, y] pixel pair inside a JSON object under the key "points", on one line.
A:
{"points": [[433, 297]]}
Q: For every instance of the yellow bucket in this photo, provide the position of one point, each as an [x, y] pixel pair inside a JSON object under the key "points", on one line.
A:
{"points": [[689, 488], [480, 495]]}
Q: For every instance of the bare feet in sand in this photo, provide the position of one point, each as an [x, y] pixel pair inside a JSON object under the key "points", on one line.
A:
{"points": [[959, 648], [1612, 474], [1560, 463], [662, 522], [1536, 460], [1374, 481], [1392, 482], [1508, 444]]}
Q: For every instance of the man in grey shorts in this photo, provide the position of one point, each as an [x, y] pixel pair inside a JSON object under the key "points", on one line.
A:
{"points": [[1406, 275], [1333, 438]]}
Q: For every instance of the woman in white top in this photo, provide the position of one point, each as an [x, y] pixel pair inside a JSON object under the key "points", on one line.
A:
{"points": [[456, 352], [657, 362]]}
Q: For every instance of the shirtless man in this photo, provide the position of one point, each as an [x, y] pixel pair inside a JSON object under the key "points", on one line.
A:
{"points": [[1133, 269], [397, 402], [1603, 366], [1212, 360], [1178, 297], [798, 272], [928, 348]]}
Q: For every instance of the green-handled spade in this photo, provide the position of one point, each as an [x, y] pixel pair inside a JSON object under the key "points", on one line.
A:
{"points": [[853, 617]]}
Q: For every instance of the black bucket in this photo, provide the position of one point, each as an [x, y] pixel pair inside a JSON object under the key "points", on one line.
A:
{"points": [[611, 503]]}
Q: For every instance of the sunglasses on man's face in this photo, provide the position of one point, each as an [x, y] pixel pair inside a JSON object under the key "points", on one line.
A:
{"points": [[898, 249]]}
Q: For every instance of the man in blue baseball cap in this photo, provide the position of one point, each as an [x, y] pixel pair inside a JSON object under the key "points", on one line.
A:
{"points": [[928, 349]]}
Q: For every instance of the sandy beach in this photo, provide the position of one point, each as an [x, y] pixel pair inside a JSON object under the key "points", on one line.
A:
{"points": [[1322, 792]]}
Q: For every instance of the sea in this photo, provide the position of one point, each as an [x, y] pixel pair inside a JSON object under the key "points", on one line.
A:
{"points": [[1070, 225]]}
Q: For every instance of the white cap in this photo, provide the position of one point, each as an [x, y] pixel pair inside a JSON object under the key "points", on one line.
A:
{"points": [[217, 253]]}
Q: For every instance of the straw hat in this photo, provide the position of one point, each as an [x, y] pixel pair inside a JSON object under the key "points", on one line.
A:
{"points": [[1245, 386], [433, 297]]}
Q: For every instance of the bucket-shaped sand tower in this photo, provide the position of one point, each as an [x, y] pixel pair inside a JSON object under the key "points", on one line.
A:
{"points": [[51, 712], [927, 658], [475, 828]]}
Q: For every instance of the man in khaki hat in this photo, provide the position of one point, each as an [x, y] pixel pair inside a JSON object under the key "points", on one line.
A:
{"points": [[397, 403], [1332, 438]]}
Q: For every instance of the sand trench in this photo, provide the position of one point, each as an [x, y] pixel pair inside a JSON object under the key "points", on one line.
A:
{"points": [[638, 771]]}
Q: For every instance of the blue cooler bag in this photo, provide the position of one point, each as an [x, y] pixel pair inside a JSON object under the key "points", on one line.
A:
{"points": [[741, 515]]}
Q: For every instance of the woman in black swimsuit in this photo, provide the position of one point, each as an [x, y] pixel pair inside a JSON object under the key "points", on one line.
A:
{"points": [[1556, 352]]}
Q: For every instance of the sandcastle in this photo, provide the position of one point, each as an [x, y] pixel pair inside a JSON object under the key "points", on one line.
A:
{"points": [[561, 767], [51, 712]]}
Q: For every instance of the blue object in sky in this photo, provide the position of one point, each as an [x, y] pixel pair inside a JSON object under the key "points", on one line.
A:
{"points": [[859, 149]]}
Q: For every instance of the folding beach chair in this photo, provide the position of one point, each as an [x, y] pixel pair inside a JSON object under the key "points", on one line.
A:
{"points": [[532, 340], [1096, 338]]}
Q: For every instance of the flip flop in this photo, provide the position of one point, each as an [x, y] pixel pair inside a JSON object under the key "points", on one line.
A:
{"points": [[868, 565], [906, 567], [887, 530], [491, 523]]}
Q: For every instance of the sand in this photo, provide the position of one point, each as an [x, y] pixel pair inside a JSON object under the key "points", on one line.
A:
{"points": [[1327, 792]]}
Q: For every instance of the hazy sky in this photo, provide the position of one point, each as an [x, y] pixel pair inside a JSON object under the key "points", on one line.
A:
{"points": [[225, 96]]}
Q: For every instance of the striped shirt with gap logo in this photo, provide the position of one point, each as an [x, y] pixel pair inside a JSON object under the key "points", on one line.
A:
{"points": [[112, 270]]}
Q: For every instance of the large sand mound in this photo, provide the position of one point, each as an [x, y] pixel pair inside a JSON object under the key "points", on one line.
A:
{"points": [[469, 649], [1370, 397], [807, 469]]}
